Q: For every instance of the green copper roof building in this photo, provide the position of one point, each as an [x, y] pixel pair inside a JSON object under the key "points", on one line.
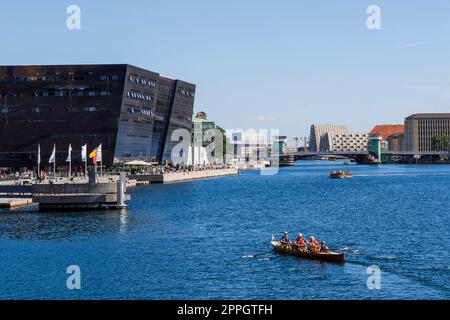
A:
{"points": [[200, 125]]}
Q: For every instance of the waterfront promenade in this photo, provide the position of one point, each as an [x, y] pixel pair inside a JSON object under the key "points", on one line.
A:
{"points": [[63, 193], [174, 177]]}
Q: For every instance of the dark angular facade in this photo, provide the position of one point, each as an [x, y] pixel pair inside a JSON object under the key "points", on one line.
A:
{"points": [[131, 111]]}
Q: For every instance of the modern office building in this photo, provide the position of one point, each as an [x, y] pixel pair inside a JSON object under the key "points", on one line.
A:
{"points": [[318, 139], [421, 128], [132, 112], [348, 142]]}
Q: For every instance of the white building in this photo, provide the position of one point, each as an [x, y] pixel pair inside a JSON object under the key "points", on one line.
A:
{"points": [[348, 142], [318, 140], [248, 146]]}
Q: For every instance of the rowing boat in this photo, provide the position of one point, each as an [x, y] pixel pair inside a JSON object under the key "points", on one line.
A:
{"points": [[320, 256]]}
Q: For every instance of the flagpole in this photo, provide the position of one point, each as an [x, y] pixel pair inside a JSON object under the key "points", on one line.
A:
{"points": [[93, 156], [54, 163], [39, 161], [85, 160], [100, 148]]}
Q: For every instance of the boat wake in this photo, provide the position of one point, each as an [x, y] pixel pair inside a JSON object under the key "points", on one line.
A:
{"points": [[264, 259], [349, 250]]}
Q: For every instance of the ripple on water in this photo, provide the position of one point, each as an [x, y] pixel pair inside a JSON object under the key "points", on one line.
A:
{"points": [[194, 240]]}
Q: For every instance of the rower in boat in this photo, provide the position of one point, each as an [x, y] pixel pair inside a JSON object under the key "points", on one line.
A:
{"points": [[300, 242], [285, 238], [313, 245], [324, 248], [285, 241]]}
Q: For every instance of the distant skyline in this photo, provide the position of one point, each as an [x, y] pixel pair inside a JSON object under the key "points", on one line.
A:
{"points": [[257, 64]]}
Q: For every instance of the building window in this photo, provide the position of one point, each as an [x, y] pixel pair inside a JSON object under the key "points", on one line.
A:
{"points": [[138, 96]]}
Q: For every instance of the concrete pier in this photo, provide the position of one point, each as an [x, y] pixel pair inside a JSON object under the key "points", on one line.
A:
{"points": [[174, 177], [14, 203], [80, 196], [107, 192], [65, 195]]}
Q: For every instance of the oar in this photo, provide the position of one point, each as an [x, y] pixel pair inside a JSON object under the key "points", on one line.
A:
{"points": [[259, 254]]}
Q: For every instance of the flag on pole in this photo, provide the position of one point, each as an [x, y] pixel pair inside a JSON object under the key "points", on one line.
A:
{"points": [[69, 157], [39, 156], [53, 156], [93, 156], [99, 158], [99, 153], [84, 152]]}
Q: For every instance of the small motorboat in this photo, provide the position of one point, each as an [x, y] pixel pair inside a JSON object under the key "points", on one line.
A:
{"points": [[334, 257], [341, 174]]}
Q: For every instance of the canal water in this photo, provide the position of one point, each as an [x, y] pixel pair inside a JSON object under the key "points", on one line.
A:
{"points": [[196, 240]]}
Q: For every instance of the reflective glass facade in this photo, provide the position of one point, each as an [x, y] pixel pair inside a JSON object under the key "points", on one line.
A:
{"points": [[131, 111]]}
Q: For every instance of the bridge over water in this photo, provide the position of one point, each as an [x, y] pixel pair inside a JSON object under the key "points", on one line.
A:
{"points": [[367, 157]]}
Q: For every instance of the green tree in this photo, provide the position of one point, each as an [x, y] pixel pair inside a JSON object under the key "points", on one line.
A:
{"points": [[225, 140], [440, 143]]}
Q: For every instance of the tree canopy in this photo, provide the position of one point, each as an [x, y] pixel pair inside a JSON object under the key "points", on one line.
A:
{"points": [[440, 143]]}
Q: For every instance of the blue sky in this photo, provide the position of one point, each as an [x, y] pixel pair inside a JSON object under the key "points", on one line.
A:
{"points": [[257, 64]]}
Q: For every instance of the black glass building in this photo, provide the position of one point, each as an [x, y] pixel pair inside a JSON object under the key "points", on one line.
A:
{"points": [[130, 111]]}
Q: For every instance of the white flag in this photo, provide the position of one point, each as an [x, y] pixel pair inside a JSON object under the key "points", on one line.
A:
{"points": [[99, 153], [39, 155], [53, 156], [69, 157], [84, 153]]}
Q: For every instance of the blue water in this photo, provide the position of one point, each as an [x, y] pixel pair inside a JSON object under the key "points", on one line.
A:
{"points": [[190, 240]]}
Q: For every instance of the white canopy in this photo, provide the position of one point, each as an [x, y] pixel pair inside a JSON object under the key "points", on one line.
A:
{"points": [[137, 163]]}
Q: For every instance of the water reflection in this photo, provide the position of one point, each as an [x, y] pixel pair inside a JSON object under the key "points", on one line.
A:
{"points": [[123, 221], [58, 225]]}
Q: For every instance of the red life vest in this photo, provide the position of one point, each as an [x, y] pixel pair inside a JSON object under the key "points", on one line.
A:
{"points": [[313, 243]]}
